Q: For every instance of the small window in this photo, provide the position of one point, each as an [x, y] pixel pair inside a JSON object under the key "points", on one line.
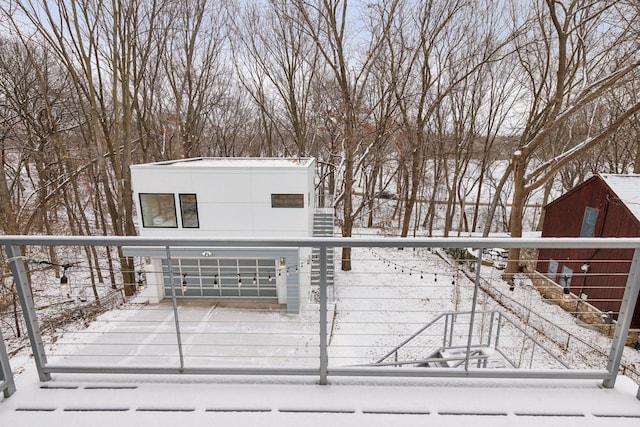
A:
{"points": [[565, 279], [552, 269], [287, 200], [189, 211], [589, 222], [158, 210]]}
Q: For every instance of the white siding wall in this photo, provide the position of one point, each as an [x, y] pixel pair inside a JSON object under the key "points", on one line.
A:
{"points": [[232, 201]]}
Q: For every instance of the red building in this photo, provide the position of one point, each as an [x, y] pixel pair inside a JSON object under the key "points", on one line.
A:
{"points": [[602, 206]]}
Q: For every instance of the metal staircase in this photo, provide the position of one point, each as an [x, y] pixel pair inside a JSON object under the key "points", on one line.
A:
{"points": [[322, 227], [447, 344]]}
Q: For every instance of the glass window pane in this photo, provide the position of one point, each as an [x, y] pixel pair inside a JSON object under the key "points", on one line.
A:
{"points": [[287, 200], [565, 279], [189, 211], [589, 222], [158, 210], [552, 269]]}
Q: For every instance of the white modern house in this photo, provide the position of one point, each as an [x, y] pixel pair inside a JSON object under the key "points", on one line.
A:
{"points": [[234, 197]]}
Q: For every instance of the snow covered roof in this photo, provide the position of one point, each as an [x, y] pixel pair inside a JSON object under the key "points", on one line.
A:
{"points": [[626, 187], [232, 162]]}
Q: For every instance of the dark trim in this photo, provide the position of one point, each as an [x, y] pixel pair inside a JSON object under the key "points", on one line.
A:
{"points": [[175, 214], [182, 210], [289, 200]]}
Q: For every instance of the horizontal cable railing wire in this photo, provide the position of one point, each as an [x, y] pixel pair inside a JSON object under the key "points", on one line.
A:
{"points": [[388, 296]]}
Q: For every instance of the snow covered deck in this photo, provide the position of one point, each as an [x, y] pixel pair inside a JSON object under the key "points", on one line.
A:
{"points": [[70, 400]]}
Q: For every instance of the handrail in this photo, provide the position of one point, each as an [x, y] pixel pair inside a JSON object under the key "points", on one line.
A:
{"points": [[403, 343], [453, 315], [532, 338], [351, 242]]}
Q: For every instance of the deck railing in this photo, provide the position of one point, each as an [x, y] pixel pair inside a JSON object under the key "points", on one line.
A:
{"points": [[489, 339], [207, 336]]}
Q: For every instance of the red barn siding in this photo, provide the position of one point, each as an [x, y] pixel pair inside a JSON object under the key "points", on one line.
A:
{"points": [[604, 284]]}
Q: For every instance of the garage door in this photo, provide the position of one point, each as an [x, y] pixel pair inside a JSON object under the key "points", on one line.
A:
{"points": [[221, 278]]}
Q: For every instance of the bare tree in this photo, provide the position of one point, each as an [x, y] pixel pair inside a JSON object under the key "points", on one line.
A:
{"points": [[193, 66], [275, 55], [436, 47], [101, 46], [325, 21], [571, 56]]}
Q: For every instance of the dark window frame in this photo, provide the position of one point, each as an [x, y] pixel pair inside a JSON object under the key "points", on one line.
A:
{"points": [[182, 210], [589, 220], [150, 224], [566, 277], [552, 269], [287, 200]]}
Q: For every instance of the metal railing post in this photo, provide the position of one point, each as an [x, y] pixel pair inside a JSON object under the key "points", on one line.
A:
{"points": [[473, 307], [627, 306], [324, 356], [490, 334], [28, 309], [533, 350], [452, 325], [498, 328], [446, 331], [7, 385], [175, 307]]}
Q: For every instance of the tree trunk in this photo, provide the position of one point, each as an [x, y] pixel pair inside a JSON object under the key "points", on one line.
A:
{"points": [[347, 203], [517, 210], [412, 194]]}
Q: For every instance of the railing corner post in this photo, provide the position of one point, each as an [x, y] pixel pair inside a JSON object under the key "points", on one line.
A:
{"points": [[16, 262], [625, 315], [324, 357]]}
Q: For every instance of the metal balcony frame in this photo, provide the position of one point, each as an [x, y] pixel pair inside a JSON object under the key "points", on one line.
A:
{"points": [[7, 384], [13, 244]]}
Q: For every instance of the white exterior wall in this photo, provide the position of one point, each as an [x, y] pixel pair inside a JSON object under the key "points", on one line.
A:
{"points": [[234, 200], [233, 195]]}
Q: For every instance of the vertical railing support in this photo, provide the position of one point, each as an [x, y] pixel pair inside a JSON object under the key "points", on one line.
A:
{"points": [[452, 325], [498, 328], [474, 304], [324, 355], [175, 306], [490, 334], [28, 309], [533, 349], [7, 385], [627, 306], [446, 331]]}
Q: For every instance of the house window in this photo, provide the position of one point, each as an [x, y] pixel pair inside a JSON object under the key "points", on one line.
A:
{"points": [[189, 211], [565, 279], [158, 210], [589, 222], [287, 200], [552, 269]]}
